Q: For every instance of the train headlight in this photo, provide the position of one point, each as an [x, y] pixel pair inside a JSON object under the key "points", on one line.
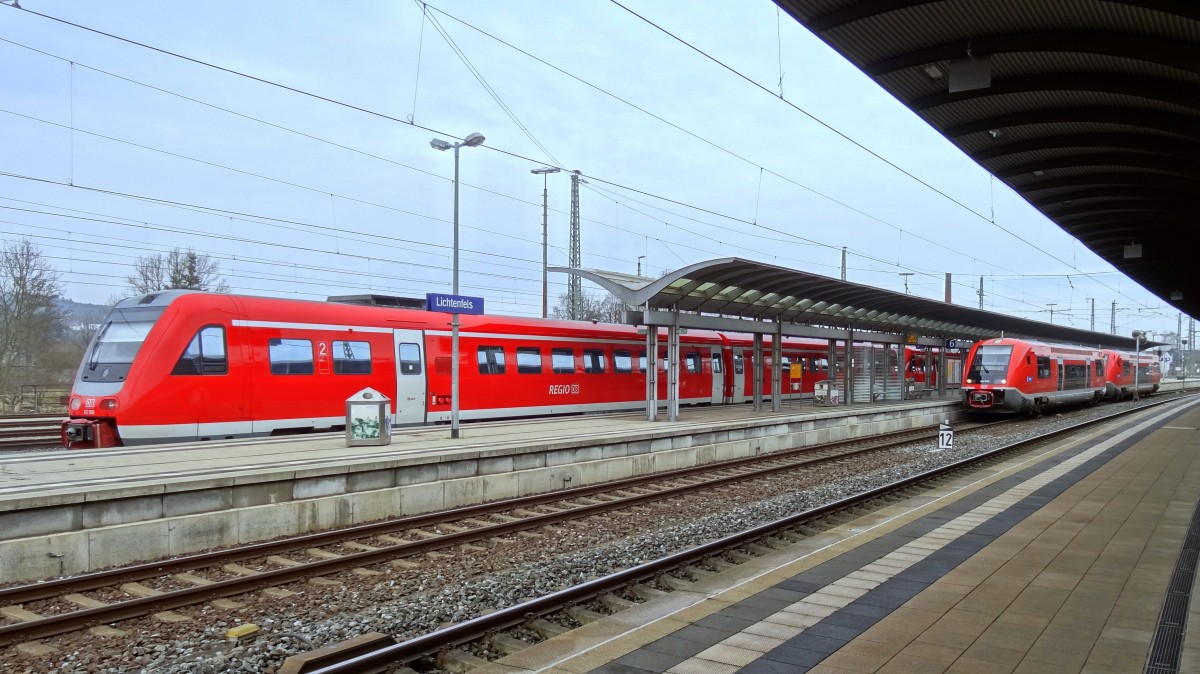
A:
{"points": [[1003, 382], [76, 403], [109, 404], [970, 381]]}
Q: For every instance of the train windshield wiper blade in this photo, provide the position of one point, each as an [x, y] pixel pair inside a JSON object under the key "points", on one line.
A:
{"points": [[92, 362]]}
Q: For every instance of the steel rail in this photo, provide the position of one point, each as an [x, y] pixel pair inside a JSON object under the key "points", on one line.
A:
{"points": [[513, 616], [139, 607]]}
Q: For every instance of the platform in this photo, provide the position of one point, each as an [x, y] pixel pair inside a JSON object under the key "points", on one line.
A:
{"points": [[1054, 562], [72, 512]]}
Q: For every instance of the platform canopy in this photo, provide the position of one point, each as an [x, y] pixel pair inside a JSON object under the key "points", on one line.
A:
{"points": [[754, 292], [1088, 109]]}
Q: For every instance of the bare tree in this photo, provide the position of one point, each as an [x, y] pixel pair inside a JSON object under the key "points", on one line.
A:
{"points": [[184, 269], [606, 309], [30, 320]]}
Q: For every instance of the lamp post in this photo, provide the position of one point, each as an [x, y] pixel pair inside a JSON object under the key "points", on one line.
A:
{"points": [[545, 226], [472, 140], [1138, 336]]}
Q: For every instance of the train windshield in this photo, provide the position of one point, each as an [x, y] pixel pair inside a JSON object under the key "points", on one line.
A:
{"points": [[990, 364], [117, 343]]}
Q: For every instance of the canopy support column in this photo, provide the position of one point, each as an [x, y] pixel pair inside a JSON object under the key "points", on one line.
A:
{"points": [[756, 362], [673, 367], [777, 368], [651, 373], [847, 355]]}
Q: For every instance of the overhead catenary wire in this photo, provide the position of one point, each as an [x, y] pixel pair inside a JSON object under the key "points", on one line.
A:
{"points": [[307, 93]]}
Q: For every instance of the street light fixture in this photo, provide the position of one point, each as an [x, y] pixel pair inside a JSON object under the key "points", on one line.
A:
{"points": [[545, 226], [472, 140]]}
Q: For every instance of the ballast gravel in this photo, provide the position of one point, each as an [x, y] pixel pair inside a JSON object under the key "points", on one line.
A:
{"points": [[431, 598]]}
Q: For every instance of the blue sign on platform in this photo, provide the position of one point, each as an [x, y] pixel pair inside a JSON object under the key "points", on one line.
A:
{"points": [[453, 304]]}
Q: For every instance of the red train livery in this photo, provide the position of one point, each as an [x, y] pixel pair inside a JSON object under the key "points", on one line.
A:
{"points": [[184, 365], [1013, 375]]}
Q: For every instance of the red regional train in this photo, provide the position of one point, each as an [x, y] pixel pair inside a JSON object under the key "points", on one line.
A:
{"points": [[183, 365], [1013, 375]]}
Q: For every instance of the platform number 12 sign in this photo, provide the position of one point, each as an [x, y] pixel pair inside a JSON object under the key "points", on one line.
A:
{"points": [[945, 436]]}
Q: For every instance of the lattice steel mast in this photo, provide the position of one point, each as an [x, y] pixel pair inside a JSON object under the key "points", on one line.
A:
{"points": [[575, 287]]}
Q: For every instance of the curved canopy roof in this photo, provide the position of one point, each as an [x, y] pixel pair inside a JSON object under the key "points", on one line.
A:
{"points": [[740, 288], [1089, 109]]}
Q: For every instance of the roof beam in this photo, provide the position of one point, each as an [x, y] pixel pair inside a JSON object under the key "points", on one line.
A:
{"points": [[1179, 93], [863, 10], [1108, 179], [1178, 167], [1181, 55], [1112, 192], [1168, 122], [1147, 143]]}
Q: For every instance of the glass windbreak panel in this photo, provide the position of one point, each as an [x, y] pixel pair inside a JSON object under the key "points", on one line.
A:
{"points": [[622, 361], [351, 357], [562, 361], [410, 358], [205, 354], [529, 360], [291, 356], [117, 342], [990, 364]]}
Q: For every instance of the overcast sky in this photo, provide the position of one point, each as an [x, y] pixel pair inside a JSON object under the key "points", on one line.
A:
{"points": [[737, 134]]}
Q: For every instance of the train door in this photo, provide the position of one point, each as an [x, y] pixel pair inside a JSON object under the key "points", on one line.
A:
{"points": [[718, 376], [739, 374], [408, 407], [1061, 373]]}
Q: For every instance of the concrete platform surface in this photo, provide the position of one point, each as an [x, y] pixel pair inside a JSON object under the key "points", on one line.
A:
{"points": [[1058, 561]]}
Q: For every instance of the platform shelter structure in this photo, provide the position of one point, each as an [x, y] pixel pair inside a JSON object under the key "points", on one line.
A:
{"points": [[742, 296]]}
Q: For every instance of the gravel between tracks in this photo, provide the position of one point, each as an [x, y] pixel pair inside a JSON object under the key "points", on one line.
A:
{"points": [[406, 603]]}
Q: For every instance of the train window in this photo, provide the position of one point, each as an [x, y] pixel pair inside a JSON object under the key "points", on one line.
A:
{"points": [[642, 361], [739, 366], [205, 354], [1043, 367], [593, 361], [622, 362], [409, 358], [351, 357], [1099, 367], [529, 360], [562, 361], [290, 356], [692, 360], [491, 359], [716, 363]]}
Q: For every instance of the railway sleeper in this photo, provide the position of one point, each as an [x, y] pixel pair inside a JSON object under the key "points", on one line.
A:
{"points": [[698, 572], [584, 615], [645, 592], [616, 604], [547, 629], [507, 644], [717, 564], [759, 549], [674, 582], [459, 661], [738, 557]]}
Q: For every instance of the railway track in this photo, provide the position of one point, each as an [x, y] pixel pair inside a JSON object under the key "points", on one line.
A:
{"points": [[30, 431], [378, 653], [71, 604]]}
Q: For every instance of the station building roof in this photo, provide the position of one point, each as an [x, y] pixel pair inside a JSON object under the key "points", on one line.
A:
{"points": [[743, 289], [1089, 109]]}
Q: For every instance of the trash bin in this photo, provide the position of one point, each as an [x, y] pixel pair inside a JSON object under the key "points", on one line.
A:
{"points": [[368, 419], [825, 394]]}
